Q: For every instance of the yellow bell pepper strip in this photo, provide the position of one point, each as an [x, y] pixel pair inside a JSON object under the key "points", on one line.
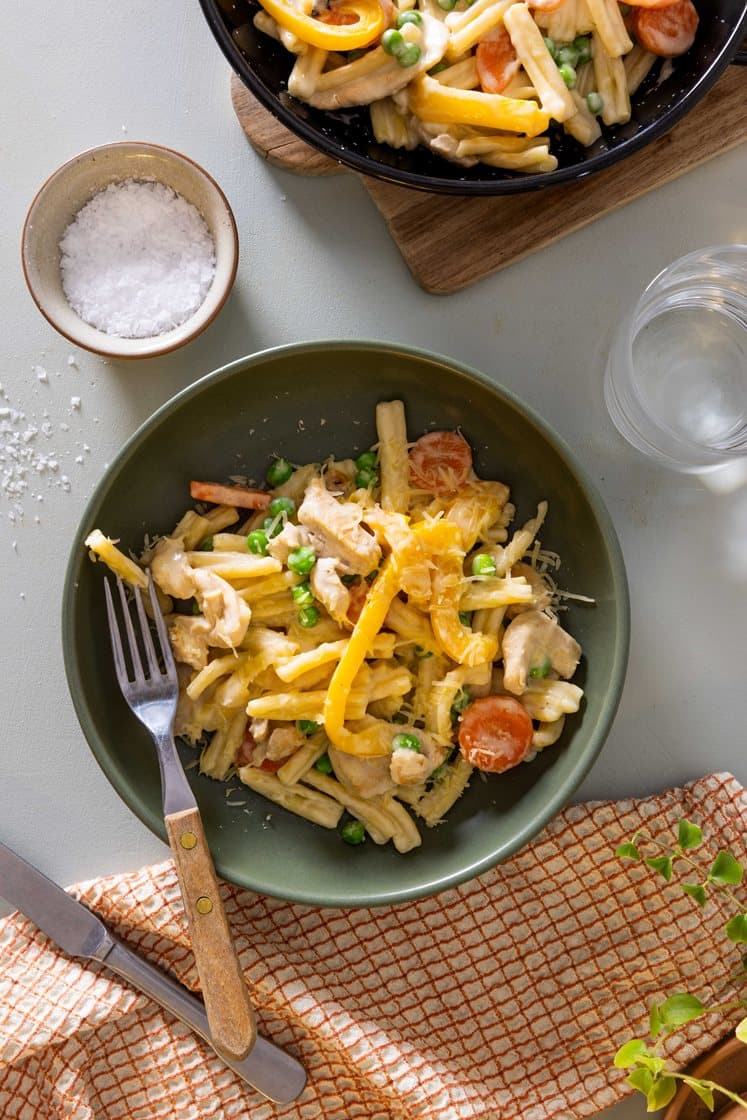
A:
{"points": [[369, 22], [432, 102], [460, 643], [375, 740]]}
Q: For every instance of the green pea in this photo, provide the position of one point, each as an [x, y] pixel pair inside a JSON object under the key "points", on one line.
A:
{"points": [[568, 74], [594, 102], [409, 17], [372, 575], [323, 764], [410, 55], [447, 5], [278, 472], [582, 43], [308, 617], [567, 55], [552, 47], [438, 68], [439, 773], [393, 42], [483, 565], [282, 505], [350, 580], [404, 741], [196, 607], [307, 726], [272, 526], [207, 545], [353, 832], [365, 478], [465, 617], [537, 672], [353, 56], [302, 560], [368, 460], [302, 595], [256, 542]]}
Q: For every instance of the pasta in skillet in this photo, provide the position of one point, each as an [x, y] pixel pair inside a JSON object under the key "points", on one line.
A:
{"points": [[354, 641], [478, 81]]}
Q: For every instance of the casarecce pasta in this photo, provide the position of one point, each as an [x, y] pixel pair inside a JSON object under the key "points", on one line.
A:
{"points": [[478, 81], [354, 640]]}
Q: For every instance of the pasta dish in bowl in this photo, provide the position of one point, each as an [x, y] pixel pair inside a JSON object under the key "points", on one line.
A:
{"points": [[382, 647]]}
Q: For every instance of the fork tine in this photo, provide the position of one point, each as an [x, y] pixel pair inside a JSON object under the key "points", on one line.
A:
{"points": [[168, 657], [150, 651], [119, 658], [137, 664]]}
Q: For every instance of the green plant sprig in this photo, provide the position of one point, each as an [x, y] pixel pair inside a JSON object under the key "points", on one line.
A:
{"points": [[650, 1073], [725, 870]]}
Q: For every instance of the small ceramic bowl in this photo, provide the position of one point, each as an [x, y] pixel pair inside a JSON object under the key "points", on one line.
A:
{"points": [[77, 181]]}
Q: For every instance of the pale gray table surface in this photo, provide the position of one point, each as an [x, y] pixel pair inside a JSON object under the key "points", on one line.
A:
{"points": [[316, 262]]}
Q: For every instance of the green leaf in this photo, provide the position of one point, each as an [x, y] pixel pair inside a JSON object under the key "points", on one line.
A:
{"points": [[641, 1079], [681, 1008], [703, 1091], [662, 864], [726, 870], [741, 1031], [660, 1093], [696, 891], [629, 1053], [689, 835], [651, 1062], [736, 929], [627, 851], [654, 1020]]}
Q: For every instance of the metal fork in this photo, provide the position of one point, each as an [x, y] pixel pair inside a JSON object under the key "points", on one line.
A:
{"points": [[152, 693]]}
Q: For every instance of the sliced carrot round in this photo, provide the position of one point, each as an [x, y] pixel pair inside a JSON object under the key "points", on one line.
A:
{"points": [[666, 32], [496, 61], [440, 462], [651, 3], [495, 733]]}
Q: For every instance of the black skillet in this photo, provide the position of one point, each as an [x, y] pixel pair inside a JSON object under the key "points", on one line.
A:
{"points": [[263, 65]]}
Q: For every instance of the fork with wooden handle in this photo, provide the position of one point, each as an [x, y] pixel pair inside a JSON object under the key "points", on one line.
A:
{"points": [[151, 691]]}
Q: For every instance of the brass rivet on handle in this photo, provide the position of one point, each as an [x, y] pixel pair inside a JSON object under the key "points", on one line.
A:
{"points": [[188, 840], [204, 905]]}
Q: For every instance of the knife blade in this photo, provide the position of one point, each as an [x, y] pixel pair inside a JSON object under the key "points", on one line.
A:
{"points": [[80, 933]]}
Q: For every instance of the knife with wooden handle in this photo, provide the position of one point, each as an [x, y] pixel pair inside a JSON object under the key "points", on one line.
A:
{"points": [[268, 1069]]}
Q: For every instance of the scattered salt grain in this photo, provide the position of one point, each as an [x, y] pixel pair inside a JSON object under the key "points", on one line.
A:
{"points": [[75, 402], [42, 375], [72, 362], [137, 260]]}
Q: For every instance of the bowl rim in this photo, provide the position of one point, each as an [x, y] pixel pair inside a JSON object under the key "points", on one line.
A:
{"points": [[367, 165], [561, 795], [167, 346]]}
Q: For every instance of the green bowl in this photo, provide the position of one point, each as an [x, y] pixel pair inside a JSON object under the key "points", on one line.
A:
{"points": [[307, 401]]}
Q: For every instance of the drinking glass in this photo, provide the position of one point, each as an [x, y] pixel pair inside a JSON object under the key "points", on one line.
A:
{"points": [[676, 379]]}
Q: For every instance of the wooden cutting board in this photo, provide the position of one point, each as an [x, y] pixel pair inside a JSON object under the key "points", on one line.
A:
{"points": [[512, 226]]}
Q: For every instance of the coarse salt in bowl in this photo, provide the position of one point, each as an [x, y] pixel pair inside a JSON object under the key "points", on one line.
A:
{"points": [[130, 250]]}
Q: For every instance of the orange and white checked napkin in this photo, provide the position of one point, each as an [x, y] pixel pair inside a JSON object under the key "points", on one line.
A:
{"points": [[504, 998]]}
